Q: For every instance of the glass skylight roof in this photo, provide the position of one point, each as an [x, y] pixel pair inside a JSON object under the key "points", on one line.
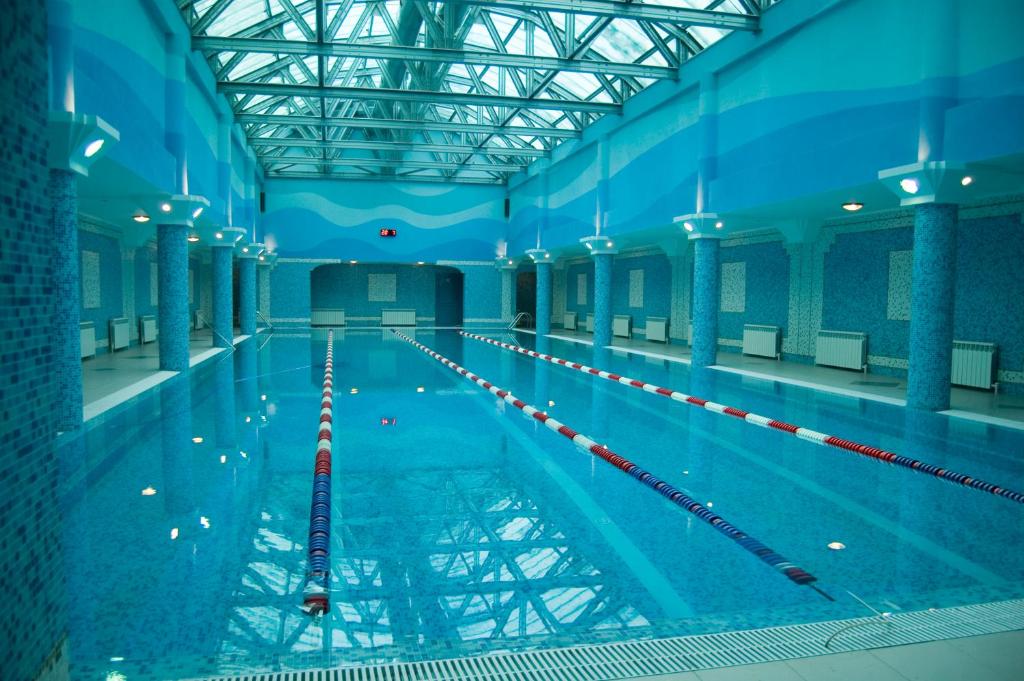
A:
{"points": [[457, 90]]}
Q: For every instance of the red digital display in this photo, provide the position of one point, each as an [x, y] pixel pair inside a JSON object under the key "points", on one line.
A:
{"points": [[389, 232]]}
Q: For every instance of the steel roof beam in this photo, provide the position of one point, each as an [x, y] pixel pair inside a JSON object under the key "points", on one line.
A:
{"points": [[395, 146], [420, 96], [425, 54], [447, 179], [394, 163], [629, 10], [385, 123]]}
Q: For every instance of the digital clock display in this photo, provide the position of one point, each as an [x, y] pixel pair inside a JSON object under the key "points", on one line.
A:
{"points": [[389, 232]]}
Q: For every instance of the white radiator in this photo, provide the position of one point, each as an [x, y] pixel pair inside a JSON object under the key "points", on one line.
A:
{"points": [[398, 317], [763, 341], [147, 328], [843, 349], [657, 329], [118, 333], [590, 323], [974, 364], [622, 325], [87, 336], [569, 321], [326, 317]]}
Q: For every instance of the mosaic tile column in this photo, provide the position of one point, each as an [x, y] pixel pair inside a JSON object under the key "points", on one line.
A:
{"points": [[172, 296], [508, 284], [705, 301], [263, 287], [67, 295], [602, 300], [543, 298], [128, 290], [931, 306], [224, 407], [247, 295], [223, 304]]}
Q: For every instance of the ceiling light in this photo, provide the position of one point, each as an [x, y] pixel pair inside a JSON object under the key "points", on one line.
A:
{"points": [[93, 147], [509, 262], [353, 391], [966, 180], [245, 249], [223, 458], [547, 255], [688, 226], [140, 216], [174, 533], [165, 207], [197, 212], [353, 262], [219, 235], [910, 185], [262, 258], [719, 224], [419, 262], [589, 245], [853, 206], [204, 521], [198, 440], [836, 545], [193, 238], [609, 244], [419, 389], [148, 492]]}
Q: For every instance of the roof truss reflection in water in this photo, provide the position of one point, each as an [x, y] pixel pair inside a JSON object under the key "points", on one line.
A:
{"points": [[433, 556]]}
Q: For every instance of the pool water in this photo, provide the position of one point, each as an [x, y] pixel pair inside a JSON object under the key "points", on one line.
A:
{"points": [[461, 526]]}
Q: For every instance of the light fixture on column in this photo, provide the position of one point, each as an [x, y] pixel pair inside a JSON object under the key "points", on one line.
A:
{"points": [[353, 262], [93, 147], [719, 224], [966, 180], [853, 206], [140, 216], [219, 235], [262, 258], [193, 238], [245, 249], [688, 226], [197, 212], [165, 207], [910, 185]]}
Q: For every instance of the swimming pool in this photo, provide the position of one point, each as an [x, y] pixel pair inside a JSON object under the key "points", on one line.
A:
{"points": [[461, 526]]}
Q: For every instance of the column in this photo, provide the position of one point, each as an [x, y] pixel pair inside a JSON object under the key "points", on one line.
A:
{"points": [[247, 294], [263, 288], [931, 306], [705, 301], [128, 289], [223, 303], [602, 299], [67, 294], [543, 297], [508, 289], [172, 295]]}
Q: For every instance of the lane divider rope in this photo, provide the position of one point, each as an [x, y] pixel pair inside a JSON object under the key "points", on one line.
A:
{"points": [[765, 422], [794, 572], [315, 594]]}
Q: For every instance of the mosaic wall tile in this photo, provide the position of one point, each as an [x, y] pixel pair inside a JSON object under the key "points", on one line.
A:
{"points": [[581, 289], [901, 266], [92, 294], [382, 288], [191, 286], [636, 288], [154, 284], [734, 287]]}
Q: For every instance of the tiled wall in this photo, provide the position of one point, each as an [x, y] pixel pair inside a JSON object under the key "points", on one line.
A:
{"points": [[481, 285], [575, 273], [755, 286], [641, 287], [102, 295], [31, 574]]}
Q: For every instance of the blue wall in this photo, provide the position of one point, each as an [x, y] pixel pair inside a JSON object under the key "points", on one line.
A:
{"points": [[346, 287], [657, 287], [111, 297], [572, 272], [767, 288], [143, 258]]}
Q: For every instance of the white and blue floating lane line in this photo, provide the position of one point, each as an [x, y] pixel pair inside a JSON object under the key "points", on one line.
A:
{"points": [[765, 422], [793, 572], [315, 594]]}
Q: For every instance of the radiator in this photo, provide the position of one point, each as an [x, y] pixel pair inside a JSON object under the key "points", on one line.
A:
{"points": [[657, 329], [763, 341], [87, 336], [843, 349], [118, 333], [327, 317], [197, 320], [590, 323], [974, 364], [569, 321], [622, 325], [147, 328], [398, 317]]}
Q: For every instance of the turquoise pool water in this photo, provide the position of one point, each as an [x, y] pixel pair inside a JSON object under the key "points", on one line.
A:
{"points": [[462, 526]]}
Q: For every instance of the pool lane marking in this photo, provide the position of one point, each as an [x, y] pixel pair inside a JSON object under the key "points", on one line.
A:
{"points": [[765, 422], [316, 592], [793, 572]]}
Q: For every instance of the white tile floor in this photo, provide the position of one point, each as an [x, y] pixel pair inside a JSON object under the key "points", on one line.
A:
{"points": [[115, 377], [1001, 409], [993, 657]]}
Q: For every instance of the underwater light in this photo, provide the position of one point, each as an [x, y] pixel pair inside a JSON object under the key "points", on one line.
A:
{"points": [[204, 521], [93, 147], [909, 185]]}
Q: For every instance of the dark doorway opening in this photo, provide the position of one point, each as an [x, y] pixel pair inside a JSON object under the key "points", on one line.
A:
{"points": [[526, 294], [448, 297]]}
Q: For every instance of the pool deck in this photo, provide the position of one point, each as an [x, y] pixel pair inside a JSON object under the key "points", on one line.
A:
{"points": [[116, 377], [976, 405], [992, 657]]}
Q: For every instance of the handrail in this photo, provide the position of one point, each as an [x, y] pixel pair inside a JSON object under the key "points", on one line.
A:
{"points": [[213, 330], [265, 320], [520, 317]]}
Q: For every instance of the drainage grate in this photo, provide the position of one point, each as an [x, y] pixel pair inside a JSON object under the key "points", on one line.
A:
{"points": [[686, 653]]}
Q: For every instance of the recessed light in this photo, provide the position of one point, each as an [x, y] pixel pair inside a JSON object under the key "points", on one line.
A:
{"points": [[419, 389], [966, 180], [910, 185], [193, 238], [589, 245], [836, 545], [204, 521], [197, 212], [419, 262], [353, 391], [148, 492], [198, 440], [719, 224], [245, 249], [174, 533], [219, 235], [262, 258], [609, 244], [853, 206], [547, 255], [353, 262], [93, 147], [140, 216], [688, 226], [223, 458], [165, 207]]}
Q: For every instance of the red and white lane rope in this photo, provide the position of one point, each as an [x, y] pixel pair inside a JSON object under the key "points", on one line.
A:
{"points": [[677, 497], [765, 422], [315, 594]]}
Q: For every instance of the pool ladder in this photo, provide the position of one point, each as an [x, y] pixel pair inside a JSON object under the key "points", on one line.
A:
{"points": [[522, 317]]}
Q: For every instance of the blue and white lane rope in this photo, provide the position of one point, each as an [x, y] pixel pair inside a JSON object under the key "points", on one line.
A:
{"points": [[792, 571], [765, 422], [315, 594]]}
